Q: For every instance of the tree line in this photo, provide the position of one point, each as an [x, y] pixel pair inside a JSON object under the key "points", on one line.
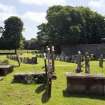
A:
{"points": [[65, 25], [68, 25]]}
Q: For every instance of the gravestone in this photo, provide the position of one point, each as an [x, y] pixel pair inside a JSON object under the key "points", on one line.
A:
{"points": [[34, 60], [85, 83], [79, 61], [25, 60], [87, 63], [5, 69], [27, 78]]}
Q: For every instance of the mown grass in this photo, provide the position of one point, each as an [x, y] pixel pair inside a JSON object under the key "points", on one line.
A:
{"points": [[22, 94]]}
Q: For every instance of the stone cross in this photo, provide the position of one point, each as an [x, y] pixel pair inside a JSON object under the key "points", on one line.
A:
{"points": [[49, 58]]}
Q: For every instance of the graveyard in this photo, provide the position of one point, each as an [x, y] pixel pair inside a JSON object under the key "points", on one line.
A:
{"points": [[54, 56], [35, 94]]}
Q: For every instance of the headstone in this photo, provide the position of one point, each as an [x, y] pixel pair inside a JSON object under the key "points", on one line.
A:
{"points": [[27, 78], [87, 63], [79, 61], [101, 61], [5, 69], [85, 83]]}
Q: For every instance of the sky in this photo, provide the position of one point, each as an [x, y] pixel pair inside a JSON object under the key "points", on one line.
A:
{"points": [[33, 12]]}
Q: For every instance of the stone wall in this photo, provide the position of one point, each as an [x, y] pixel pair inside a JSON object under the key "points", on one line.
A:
{"points": [[95, 49]]}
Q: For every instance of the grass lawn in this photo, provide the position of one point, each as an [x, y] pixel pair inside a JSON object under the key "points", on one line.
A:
{"points": [[23, 94]]}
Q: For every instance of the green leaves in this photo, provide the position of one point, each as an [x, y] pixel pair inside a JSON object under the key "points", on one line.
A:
{"points": [[13, 33], [72, 25]]}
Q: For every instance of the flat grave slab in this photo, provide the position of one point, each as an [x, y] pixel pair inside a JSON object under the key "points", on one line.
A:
{"points": [[85, 83], [31, 77], [5, 69], [26, 60]]}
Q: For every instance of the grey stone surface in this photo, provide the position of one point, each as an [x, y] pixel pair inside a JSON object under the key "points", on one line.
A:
{"points": [[5, 69], [27, 78], [85, 83]]}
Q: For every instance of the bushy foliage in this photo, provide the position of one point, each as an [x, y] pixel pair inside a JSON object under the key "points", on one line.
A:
{"points": [[71, 25], [12, 34]]}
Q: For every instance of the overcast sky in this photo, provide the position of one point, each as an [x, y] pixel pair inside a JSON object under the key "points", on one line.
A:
{"points": [[33, 12]]}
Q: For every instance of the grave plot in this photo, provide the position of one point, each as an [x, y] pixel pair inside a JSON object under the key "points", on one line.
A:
{"points": [[10, 54], [5, 69], [28, 78], [85, 83], [26, 60]]}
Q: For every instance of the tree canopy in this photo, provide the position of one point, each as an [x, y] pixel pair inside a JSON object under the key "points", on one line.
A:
{"points": [[71, 25], [12, 35]]}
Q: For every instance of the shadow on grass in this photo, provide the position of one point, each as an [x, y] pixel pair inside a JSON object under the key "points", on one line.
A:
{"points": [[46, 96], [89, 96], [46, 93], [40, 89]]}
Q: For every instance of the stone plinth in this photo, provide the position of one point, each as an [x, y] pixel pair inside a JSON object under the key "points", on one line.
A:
{"points": [[85, 83], [5, 69], [37, 77]]}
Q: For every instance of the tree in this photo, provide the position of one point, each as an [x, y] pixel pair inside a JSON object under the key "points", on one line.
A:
{"points": [[13, 33], [22, 42], [43, 33], [92, 26], [71, 25]]}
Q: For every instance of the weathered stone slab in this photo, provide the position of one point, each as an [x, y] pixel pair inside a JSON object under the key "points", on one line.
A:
{"points": [[5, 69], [85, 83], [27, 60], [37, 77]]}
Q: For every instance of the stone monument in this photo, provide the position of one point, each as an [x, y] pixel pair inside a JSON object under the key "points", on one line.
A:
{"points": [[79, 61], [87, 63]]}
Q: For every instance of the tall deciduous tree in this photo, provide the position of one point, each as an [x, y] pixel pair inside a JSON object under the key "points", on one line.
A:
{"points": [[72, 25], [12, 35]]}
